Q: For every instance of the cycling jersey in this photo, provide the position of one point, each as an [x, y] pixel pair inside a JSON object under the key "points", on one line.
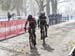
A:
{"points": [[32, 22]]}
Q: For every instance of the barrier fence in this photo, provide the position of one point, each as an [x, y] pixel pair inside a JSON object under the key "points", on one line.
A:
{"points": [[55, 19], [11, 28]]}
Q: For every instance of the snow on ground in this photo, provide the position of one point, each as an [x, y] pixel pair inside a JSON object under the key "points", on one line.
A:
{"points": [[59, 42]]}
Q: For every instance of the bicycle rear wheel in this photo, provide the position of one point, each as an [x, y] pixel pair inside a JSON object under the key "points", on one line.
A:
{"points": [[43, 36], [32, 40]]}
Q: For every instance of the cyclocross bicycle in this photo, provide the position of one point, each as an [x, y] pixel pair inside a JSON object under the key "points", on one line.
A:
{"points": [[43, 34], [32, 39]]}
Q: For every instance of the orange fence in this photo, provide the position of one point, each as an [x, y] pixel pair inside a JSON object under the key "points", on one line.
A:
{"points": [[11, 28]]}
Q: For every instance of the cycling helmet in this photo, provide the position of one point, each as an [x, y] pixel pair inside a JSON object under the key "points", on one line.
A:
{"points": [[29, 16], [42, 13]]}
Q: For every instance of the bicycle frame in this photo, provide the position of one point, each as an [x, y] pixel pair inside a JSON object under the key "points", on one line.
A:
{"points": [[32, 39], [43, 32]]}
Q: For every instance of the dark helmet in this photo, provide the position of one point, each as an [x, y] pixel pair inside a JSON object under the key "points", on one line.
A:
{"points": [[29, 16]]}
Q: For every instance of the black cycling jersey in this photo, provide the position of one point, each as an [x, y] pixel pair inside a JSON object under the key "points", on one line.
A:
{"points": [[42, 20], [32, 23]]}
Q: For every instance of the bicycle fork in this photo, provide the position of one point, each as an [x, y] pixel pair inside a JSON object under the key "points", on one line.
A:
{"points": [[32, 41]]}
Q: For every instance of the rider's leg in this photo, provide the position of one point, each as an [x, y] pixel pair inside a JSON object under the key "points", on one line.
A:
{"points": [[41, 32], [34, 36], [46, 30], [29, 31]]}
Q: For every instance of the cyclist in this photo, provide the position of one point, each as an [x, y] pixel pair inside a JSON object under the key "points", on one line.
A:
{"points": [[32, 25], [42, 21]]}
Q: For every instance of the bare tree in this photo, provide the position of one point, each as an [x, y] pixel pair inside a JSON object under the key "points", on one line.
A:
{"points": [[5, 4], [24, 7], [54, 6], [11, 5], [40, 5], [48, 7], [18, 5]]}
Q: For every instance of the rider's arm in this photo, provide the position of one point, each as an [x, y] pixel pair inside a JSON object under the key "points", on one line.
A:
{"points": [[34, 20], [26, 24]]}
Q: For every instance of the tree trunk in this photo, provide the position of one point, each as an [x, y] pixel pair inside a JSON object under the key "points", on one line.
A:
{"points": [[18, 6], [54, 6], [25, 12], [52, 2], [41, 7], [48, 7], [18, 12]]}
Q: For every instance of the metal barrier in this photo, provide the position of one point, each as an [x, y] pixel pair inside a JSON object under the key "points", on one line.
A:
{"points": [[55, 18]]}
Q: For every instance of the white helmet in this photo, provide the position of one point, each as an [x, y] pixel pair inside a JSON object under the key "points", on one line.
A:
{"points": [[42, 13]]}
